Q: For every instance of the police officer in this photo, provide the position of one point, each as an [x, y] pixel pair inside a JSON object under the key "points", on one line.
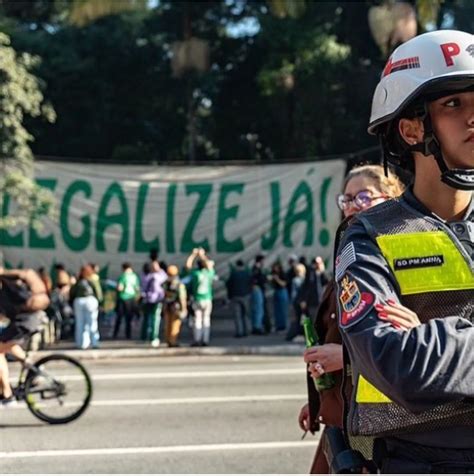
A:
{"points": [[412, 259]]}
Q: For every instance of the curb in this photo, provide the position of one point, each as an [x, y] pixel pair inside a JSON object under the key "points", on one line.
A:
{"points": [[102, 354]]}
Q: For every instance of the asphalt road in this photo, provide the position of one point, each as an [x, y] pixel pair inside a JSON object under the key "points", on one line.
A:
{"points": [[191, 414]]}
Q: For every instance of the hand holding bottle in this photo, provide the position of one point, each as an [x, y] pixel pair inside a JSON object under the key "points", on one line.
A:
{"points": [[323, 358]]}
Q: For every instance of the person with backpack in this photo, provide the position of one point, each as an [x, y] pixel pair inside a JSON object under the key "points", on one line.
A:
{"points": [[85, 296], [152, 295], [23, 297], [175, 305]]}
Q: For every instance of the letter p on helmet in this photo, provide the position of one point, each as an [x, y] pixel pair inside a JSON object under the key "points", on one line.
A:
{"points": [[449, 51]]}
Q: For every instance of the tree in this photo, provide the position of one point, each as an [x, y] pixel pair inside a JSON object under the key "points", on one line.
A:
{"points": [[296, 84], [20, 96]]}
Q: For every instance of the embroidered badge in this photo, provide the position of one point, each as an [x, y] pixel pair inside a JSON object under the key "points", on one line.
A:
{"points": [[355, 303], [345, 258], [418, 262]]}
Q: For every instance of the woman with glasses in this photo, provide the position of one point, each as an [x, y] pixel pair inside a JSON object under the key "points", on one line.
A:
{"points": [[364, 187]]}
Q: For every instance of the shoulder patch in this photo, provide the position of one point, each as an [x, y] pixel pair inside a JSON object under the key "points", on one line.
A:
{"points": [[345, 258], [355, 302]]}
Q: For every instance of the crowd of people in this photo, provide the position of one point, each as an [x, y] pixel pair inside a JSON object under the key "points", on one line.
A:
{"points": [[159, 293], [151, 305], [295, 292]]}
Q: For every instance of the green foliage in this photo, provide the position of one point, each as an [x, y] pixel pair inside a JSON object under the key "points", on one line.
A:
{"points": [[287, 8], [428, 11], [86, 11], [297, 84], [20, 96]]}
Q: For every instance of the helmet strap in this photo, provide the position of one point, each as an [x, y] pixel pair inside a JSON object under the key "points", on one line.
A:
{"points": [[457, 178], [385, 154]]}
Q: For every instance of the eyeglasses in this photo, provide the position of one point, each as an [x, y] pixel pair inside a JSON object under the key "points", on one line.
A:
{"points": [[363, 199]]}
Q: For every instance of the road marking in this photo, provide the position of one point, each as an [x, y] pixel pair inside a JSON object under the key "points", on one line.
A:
{"points": [[168, 401], [266, 445], [200, 374], [180, 375], [225, 399]]}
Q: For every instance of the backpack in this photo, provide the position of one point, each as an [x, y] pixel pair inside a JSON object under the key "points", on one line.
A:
{"points": [[82, 288], [14, 294]]}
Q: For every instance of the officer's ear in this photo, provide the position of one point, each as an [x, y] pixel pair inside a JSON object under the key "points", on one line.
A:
{"points": [[411, 130]]}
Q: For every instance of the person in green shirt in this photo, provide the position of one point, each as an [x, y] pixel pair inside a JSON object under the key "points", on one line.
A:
{"points": [[202, 278], [128, 292]]}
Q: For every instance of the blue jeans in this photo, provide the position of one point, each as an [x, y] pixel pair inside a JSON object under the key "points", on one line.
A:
{"points": [[86, 313], [257, 309], [240, 308], [280, 308]]}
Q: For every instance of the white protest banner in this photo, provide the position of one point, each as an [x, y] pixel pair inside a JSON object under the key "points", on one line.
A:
{"points": [[109, 214]]}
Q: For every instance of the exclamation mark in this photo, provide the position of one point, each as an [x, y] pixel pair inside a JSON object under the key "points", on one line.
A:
{"points": [[324, 235]]}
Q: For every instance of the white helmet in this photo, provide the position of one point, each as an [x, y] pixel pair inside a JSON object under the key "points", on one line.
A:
{"points": [[426, 61], [434, 63]]}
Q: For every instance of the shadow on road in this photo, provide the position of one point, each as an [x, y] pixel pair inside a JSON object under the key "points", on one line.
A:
{"points": [[21, 425]]}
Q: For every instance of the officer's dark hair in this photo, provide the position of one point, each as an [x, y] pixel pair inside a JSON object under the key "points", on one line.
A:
{"points": [[399, 150]]}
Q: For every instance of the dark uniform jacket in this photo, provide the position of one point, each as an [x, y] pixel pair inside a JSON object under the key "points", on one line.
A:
{"points": [[409, 384]]}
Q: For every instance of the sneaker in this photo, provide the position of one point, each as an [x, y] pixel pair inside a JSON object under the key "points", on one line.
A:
{"points": [[155, 343], [7, 402]]}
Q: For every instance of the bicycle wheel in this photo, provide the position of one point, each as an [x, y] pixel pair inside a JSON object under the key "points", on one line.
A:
{"points": [[58, 389]]}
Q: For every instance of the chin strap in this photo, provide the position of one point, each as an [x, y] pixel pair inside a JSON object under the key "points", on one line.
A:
{"points": [[461, 179]]}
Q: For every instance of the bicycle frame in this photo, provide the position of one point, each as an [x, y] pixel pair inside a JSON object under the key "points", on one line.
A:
{"points": [[19, 389]]}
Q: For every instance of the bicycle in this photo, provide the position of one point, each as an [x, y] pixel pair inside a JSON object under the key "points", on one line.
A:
{"points": [[48, 384]]}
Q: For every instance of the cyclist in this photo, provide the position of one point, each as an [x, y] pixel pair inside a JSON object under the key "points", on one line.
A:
{"points": [[23, 296]]}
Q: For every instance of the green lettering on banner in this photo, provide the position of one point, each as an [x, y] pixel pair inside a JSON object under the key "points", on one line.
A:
{"points": [[224, 214], [324, 234], [5, 238], [43, 242], [121, 218], [170, 200], [80, 242], [187, 241], [305, 215], [140, 244], [268, 241]]}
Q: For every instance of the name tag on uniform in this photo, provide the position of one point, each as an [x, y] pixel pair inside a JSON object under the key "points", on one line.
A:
{"points": [[418, 262]]}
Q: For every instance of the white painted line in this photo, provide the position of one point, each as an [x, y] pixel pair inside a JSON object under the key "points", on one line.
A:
{"points": [[267, 445], [224, 399], [167, 401], [180, 375], [200, 374]]}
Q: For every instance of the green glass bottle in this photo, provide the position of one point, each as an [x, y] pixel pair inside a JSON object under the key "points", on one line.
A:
{"points": [[326, 381]]}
